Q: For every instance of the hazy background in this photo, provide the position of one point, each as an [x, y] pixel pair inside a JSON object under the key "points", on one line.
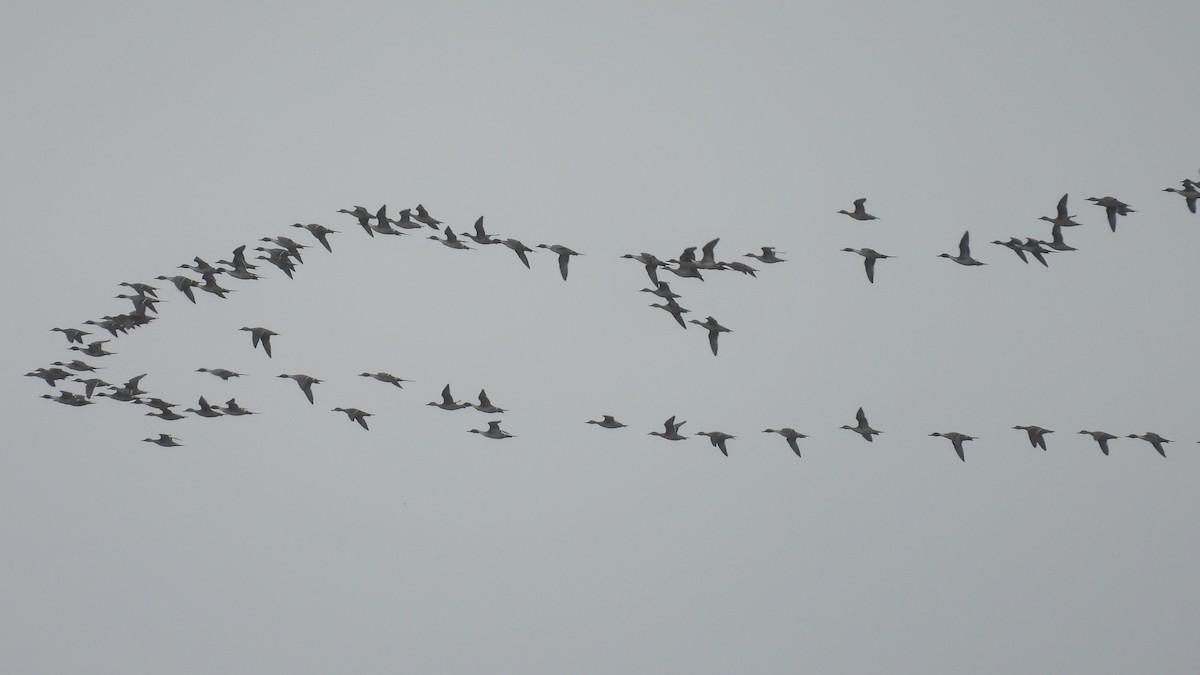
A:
{"points": [[138, 135]]}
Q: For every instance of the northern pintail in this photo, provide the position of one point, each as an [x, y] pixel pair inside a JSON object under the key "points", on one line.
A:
{"points": [[651, 262], [1034, 248], [205, 410], [739, 267], [769, 255], [168, 415], [1113, 207], [156, 402], [1189, 192], [448, 402], [607, 422], [1101, 437], [1037, 435], [718, 440], [424, 217], [869, 258], [94, 349], [72, 334], [320, 232], [860, 212], [77, 366], [479, 236], [685, 268], [262, 335], [1061, 217], [279, 257], [49, 375], [305, 382], [293, 247], [714, 330], [140, 288], [1056, 242], [386, 377], [670, 430], [956, 439], [238, 267], [383, 225], [233, 409], [361, 214], [863, 427], [210, 285], [355, 415], [90, 385], [165, 440], [68, 398], [520, 249], [674, 309], [1153, 439], [564, 256], [141, 303], [493, 431], [485, 405], [406, 222], [451, 241], [184, 284], [708, 259], [663, 290], [1013, 244], [964, 252], [201, 266], [223, 373], [791, 435]]}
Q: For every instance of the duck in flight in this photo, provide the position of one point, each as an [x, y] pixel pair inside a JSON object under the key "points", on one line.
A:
{"points": [[1101, 437], [260, 335], [670, 430], [1061, 217], [564, 256], [768, 255], [305, 382], [964, 252], [493, 431], [956, 439], [448, 402], [1113, 207], [1037, 435], [718, 440], [862, 428], [355, 415], [607, 422], [791, 435], [1153, 439], [859, 212], [869, 258], [714, 331]]}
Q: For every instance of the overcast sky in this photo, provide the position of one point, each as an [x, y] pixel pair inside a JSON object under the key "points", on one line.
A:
{"points": [[138, 135]]}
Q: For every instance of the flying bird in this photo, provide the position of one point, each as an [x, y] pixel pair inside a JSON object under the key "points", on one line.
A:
{"points": [[956, 439], [869, 258], [860, 212], [862, 427]]}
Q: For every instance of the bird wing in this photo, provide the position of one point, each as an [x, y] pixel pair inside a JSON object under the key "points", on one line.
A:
{"points": [[1062, 207], [964, 245], [869, 263]]}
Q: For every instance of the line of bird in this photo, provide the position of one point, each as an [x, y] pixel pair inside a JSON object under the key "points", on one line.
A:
{"points": [[286, 254]]}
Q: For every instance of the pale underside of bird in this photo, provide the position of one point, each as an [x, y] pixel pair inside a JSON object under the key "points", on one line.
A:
{"points": [[260, 335], [607, 422], [869, 257], [956, 439], [670, 430], [859, 212], [964, 252], [355, 415], [862, 427], [718, 440], [493, 431], [791, 435]]}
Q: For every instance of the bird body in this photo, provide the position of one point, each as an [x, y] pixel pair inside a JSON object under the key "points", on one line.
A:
{"points": [[355, 415], [1153, 439], [869, 257], [670, 430], [607, 422], [305, 383], [956, 439], [164, 440], [448, 402], [859, 212], [1101, 437], [964, 252], [1037, 435], [385, 377], [768, 255], [718, 440], [222, 373], [862, 428], [493, 431], [261, 335], [564, 256], [714, 331], [791, 435]]}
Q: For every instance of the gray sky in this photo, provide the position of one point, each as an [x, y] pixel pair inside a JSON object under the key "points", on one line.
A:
{"points": [[139, 135]]}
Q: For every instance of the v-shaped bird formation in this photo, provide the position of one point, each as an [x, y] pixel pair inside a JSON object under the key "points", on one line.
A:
{"points": [[286, 255]]}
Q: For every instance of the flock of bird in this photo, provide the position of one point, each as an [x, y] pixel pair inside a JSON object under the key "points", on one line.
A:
{"points": [[285, 254]]}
